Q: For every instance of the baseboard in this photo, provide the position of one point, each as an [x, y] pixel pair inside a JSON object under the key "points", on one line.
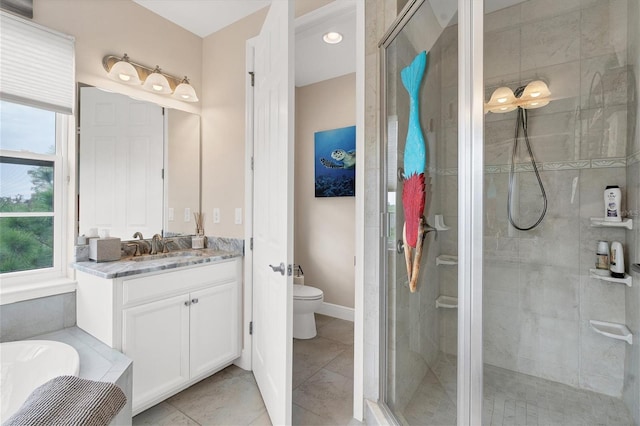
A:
{"points": [[336, 311]]}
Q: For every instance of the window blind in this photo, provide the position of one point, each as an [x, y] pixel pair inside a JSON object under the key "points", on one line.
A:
{"points": [[36, 65]]}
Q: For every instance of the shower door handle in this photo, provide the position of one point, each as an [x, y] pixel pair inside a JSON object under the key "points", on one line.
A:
{"points": [[280, 268], [428, 228]]}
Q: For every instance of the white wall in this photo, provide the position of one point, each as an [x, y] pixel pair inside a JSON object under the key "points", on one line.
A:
{"points": [[324, 227], [223, 119]]}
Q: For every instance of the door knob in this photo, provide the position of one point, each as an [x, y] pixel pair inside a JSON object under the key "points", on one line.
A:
{"points": [[194, 301], [280, 268]]}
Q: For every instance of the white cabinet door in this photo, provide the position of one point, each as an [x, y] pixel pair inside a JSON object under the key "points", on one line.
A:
{"points": [[156, 337], [215, 333]]}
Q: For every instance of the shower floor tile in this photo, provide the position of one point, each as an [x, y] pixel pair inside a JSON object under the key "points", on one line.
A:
{"points": [[512, 398]]}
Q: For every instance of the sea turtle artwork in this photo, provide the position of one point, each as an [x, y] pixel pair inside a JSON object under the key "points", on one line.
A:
{"points": [[348, 159], [413, 191], [335, 162]]}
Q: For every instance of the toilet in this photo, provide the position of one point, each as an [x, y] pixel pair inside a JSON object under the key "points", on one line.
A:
{"points": [[306, 301]]}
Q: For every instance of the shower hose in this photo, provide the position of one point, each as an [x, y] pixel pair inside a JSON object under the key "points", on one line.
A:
{"points": [[522, 122]]}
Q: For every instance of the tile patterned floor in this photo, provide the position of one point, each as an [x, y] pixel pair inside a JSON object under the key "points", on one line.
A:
{"points": [[322, 388], [512, 398]]}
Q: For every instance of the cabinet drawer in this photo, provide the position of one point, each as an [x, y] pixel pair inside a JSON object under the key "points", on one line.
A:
{"points": [[164, 284]]}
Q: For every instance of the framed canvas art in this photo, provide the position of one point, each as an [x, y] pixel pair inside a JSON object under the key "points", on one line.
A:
{"points": [[335, 162]]}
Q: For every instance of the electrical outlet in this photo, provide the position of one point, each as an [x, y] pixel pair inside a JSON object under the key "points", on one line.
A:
{"points": [[238, 215], [171, 214], [216, 215], [187, 214]]}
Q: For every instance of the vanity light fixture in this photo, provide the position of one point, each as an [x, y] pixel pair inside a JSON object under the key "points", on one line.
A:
{"points": [[157, 83], [125, 71], [332, 37], [534, 95], [185, 92]]}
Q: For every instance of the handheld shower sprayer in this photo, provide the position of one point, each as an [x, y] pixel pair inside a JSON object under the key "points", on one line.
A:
{"points": [[522, 121]]}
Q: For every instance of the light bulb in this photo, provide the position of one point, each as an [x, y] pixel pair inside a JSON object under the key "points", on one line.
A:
{"points": [[156, 87], [124, 77]]}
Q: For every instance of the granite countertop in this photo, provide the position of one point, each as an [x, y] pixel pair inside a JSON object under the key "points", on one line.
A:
{"points": [[152, 263]]}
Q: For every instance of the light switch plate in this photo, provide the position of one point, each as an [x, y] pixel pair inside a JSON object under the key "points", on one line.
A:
{"points": [[238, 215], [216, 215], [187, 214], [171, 213]]}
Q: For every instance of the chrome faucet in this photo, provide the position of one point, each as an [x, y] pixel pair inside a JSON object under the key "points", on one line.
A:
{"points": [[156, 242]]}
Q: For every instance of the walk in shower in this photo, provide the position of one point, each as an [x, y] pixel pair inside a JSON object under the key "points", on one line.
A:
{"points": [[545, 360]]}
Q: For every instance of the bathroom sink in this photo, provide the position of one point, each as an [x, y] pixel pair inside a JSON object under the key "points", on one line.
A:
{"points": [[170, 255]]}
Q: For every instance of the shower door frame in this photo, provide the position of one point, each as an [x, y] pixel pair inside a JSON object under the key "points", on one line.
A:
{"points": [[470, 206]]}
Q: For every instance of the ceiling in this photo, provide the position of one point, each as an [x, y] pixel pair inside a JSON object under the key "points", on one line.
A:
{"points": [[203, 17], [315, 60]]}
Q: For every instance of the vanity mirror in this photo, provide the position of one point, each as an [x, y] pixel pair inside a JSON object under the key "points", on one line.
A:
{"points": [[139, 166]]}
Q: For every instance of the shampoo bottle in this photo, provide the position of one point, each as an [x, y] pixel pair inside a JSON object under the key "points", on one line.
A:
{"points": [[602, 258], [612, 199], [616, 262]]}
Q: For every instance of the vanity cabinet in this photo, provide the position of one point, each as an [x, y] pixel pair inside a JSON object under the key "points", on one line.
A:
{"points": [[178, 327]]}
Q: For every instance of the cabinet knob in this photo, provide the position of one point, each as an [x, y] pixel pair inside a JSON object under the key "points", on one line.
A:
{"points": [[187, 303], [194, 301]]}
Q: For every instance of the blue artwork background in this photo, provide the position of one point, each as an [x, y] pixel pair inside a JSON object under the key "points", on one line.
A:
{"points": [[334, 182]]}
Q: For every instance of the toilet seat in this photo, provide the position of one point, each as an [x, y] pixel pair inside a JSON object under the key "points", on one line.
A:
{"points": [[305, 292]]}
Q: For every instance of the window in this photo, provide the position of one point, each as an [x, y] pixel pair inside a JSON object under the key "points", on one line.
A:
{"points": [[31, 192]]}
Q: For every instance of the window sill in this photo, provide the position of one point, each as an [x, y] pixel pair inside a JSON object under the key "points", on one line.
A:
{"points": [[35, 290]]}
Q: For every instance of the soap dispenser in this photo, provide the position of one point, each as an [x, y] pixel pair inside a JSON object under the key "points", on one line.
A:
{"points": [[616, 261]]}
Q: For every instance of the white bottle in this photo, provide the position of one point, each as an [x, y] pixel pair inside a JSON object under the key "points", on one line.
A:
{"points": [[616, 261], [612, 199], [602, 259]]}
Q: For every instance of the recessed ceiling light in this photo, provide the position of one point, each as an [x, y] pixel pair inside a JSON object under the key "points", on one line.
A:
{"points": [[332, 37]]}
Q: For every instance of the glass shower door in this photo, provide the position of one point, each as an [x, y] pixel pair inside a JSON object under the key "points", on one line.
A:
{"points": [[421, 322]]}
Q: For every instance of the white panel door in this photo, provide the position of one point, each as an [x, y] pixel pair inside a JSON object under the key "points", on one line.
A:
{"points": [[215, 332], [121, 161], [156, 338], [273, 211]]}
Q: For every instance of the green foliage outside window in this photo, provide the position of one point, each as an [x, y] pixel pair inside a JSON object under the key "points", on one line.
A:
{"points": [[27, 242]]}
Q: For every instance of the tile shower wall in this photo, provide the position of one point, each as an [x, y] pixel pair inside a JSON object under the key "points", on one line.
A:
{"points": [[631, 393], [538, 297]]}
